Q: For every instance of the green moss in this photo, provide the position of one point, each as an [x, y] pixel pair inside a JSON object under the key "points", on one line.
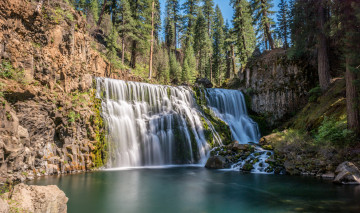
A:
{"points": [[100, 152], [331, 104]]}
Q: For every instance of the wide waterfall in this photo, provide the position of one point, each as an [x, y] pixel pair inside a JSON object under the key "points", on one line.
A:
{"points": [[151, 125], [229, 105]]}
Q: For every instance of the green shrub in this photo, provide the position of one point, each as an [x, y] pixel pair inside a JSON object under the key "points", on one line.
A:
{"points": [[8, 71], [314, 94], [334, 132]]}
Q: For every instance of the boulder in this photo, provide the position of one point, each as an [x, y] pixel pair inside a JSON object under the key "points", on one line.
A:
{"points": [[4, 207], [217, 162], [39, 199], [204, 82], [347, 173]]}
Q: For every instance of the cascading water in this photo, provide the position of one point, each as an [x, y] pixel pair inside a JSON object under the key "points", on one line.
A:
{"points": [[229, 105], [151, 125]]}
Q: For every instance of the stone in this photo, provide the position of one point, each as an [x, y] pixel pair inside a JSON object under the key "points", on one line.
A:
{"points": [[328, 175], [347, 173], [39, 199], [4, 206], [217, 162], [204, 82]]}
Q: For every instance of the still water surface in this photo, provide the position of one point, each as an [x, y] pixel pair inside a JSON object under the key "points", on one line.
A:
{"points": [[192, 189]]}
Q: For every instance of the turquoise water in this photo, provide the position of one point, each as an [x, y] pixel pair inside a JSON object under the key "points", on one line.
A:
{"points": [[191, 189]]}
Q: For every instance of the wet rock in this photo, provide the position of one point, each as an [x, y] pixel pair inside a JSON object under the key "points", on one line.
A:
{"points": [[217, 162], [347, 173], [204, 82], [39, 199], [328, 175]]}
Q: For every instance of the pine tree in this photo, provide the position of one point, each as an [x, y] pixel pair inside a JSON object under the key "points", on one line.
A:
{"points": [[309, 35], [218, 44], [126, 26], [283, 22], [189, 72], [175, 69], [141, 14], [229, 40], [348, 14], [173, 18], [190, 9], [208, 11], [245, 34], [202, 45], [262, 13], [162, 65]]}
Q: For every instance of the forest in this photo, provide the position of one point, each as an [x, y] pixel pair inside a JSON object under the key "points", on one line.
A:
{"points": [[194, 41]]}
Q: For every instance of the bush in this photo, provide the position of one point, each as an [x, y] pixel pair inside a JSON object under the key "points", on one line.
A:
{"points": [[334, 132], [8, 71], [314, 94]]}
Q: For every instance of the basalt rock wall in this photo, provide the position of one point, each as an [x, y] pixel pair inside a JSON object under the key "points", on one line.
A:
{"points": [[49, 118], [277, 87]]}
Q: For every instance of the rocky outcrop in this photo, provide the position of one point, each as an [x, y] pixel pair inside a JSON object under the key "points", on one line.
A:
{"points": [[217, 162], [37, 199], [277, 86], [49, 119], [347, 173]]}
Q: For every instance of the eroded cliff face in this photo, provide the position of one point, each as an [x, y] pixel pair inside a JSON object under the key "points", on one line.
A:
{"points": [[277, 87], [49, 118]]}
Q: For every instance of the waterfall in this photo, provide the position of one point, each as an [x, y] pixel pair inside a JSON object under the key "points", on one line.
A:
{"points": [[229, 105], [151, 125]]}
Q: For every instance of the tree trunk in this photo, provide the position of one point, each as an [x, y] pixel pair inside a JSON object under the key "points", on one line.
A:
{"points": [[233, 60], [228, 64], [352, 99], [123, 40], [152, 40], [133, 54], [175, 30], [210, 61], [101, 13], [323, 60]]}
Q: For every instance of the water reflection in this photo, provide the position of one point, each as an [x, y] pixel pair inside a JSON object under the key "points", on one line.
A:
{"points": [[200, 190]]}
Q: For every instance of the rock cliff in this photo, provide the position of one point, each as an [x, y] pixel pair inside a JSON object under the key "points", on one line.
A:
{"points": [[277, 87], [49, 117]]}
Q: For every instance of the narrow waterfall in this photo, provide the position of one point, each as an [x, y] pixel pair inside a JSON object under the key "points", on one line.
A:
{"points": [[151, 125], [229, 105]]}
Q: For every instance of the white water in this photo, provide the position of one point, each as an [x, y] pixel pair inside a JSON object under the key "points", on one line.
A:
{"points": [[151, 125], [229, 105]]}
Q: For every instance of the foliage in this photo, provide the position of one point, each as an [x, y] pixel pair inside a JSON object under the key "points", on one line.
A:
{"points": [[314, 94], [8, 71], [334, 132], [175, 69], [243, 29]]}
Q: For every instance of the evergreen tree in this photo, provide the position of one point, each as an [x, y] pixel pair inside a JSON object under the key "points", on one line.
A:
{"points": [[348, 14], [283, 22], [190, 9], [243, 29], [173, 18], [202, 45], [309, 35], [218, 44], [162, 65], [208, 11], [126, 26], [175, 69], [141, 14], [189, 72], [229, 41], [262, 13]]}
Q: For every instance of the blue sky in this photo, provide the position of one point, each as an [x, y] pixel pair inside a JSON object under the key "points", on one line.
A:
{"points": [[224, 5]]}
